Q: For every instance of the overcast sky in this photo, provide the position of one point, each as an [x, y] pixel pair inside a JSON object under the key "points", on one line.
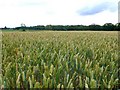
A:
{"points": [[57, 12]]}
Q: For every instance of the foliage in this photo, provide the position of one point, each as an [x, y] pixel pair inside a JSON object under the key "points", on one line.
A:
{"points": [[93, 27]]}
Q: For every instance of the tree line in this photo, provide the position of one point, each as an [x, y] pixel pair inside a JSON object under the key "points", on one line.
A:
{"points": [[92, 27]]}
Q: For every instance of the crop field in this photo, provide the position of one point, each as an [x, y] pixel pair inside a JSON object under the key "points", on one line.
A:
{"points": [[59, 59]]}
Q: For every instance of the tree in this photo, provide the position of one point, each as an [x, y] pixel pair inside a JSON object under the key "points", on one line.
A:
{"points": [[94, 27], [23, 26], [49, 27], [5, 27], [109, 26], [117, 26]]}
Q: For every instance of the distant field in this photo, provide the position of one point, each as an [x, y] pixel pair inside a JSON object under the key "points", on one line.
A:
{"points": [[59, 59]]}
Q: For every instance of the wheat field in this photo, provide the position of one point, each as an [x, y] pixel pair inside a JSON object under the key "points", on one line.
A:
{"points": [[59, 59]]}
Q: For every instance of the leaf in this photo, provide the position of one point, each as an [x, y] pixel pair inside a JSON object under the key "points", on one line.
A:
{"points": [[93, 84], [37, 85]]}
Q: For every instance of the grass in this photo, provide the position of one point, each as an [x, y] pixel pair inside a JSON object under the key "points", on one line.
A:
{"points": [[59, 59]]}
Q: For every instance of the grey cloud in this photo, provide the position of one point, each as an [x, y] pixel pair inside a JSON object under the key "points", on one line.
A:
{"points": [[97, 8]]}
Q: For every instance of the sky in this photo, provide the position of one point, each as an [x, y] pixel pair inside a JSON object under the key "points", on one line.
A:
{"points": [[57, 12]]}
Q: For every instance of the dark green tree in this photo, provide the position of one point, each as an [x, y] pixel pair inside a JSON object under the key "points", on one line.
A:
{"points": [[23, 26], [109, 26]]}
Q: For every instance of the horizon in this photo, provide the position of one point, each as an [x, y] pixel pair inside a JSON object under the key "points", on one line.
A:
{"points": [[56, 25], [58, 12]]}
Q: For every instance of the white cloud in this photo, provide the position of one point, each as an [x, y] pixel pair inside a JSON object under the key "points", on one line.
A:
{"points": [[43, 12]]}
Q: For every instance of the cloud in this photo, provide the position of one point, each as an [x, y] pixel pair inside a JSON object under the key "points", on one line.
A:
{"points": [[98, 8]]}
